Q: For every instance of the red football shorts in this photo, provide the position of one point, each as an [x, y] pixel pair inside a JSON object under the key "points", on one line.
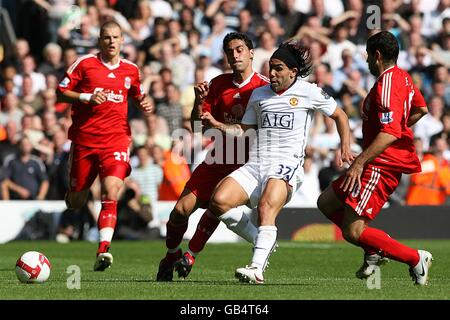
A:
{"points": [[85, 163], [205, 178], [376, 187]]}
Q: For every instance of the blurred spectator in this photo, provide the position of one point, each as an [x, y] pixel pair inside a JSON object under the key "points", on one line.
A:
{"points": [[309, 191], [147, 175], [58, 170], [53, 63], [432, 185], [134, 214], [175, 172], [82, 39], [10, 110], [215, 39], [246, 25], [158, 132], [29, 67], [340, 42], [171, 109], [26, 176], [10, 145], [431, 123], [291, 18], [76, 224], [265, 49], [330, 173], [29, 101]]}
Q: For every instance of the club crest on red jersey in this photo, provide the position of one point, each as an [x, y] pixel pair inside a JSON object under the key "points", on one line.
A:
{"points": [[127, 82]]}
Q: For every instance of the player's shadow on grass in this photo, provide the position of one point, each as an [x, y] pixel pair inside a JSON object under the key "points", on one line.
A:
{"points": [[198, 282]]}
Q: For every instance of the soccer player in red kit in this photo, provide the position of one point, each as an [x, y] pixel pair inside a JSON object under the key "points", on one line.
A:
{"points": [[98, 87], [352, 201], [225, 98]]}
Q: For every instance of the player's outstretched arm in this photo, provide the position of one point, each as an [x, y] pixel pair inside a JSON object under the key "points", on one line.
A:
{"points": [[235, 129], [343, 127], [70, 96]]}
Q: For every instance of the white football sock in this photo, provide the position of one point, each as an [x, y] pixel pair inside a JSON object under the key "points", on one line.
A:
{"points": [[264, 246], [237, 221]]}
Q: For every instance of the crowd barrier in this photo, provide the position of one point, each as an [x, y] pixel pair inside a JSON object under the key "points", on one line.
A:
{"points": [[302, 224]]}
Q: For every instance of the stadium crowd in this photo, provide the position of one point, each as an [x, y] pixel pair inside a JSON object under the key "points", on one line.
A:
{"points": [[178, 43]]}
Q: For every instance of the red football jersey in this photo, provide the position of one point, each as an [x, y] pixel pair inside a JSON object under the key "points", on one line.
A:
{"points": [[227, 101], [105, 124], [387, 106]]}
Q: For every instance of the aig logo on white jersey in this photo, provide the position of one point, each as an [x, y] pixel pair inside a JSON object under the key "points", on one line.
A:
{"points": [[280, 120]]}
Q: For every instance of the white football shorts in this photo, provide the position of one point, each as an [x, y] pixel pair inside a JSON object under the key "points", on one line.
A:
{"points": [[253, 178]]}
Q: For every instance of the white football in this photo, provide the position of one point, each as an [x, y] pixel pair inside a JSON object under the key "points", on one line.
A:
{"points": [[33, 267]]}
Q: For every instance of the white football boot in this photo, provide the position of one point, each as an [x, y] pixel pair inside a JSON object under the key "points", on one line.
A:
{"points": [[419, 273], [250, 274], [370, 263], [104, 260]]}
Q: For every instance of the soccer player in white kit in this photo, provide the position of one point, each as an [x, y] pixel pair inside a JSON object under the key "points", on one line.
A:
{"points": [[281, 113]]}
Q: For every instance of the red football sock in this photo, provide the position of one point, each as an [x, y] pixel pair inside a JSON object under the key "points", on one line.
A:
{"points": [[380, 240], [106, 223], [175, 234], [206, 226]]}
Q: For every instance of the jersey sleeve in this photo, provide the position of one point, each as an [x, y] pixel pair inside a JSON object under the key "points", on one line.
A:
{"points": [[418, 101], [249, 117], [322, 101], [72, 76], [136, 89], [391, 109]]}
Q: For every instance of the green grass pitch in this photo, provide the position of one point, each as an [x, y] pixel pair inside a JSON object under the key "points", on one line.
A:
{"points": [[297, 271]]}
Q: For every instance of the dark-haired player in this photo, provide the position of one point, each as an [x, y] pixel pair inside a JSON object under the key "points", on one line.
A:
{"points": [[226, 98], [281, 113], [98, 87], [352, 201]]}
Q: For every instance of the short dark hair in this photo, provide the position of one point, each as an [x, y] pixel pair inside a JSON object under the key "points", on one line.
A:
{"points": [[109, 24], [386, 43], [237, 36], [301, 54]]}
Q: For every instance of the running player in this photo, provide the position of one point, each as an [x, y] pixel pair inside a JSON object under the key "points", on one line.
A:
{"points": [[98, 87], [282, 113], [353, 200]]}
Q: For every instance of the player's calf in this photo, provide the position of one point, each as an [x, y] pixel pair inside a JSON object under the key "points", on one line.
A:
{"points": [[76, 200]]}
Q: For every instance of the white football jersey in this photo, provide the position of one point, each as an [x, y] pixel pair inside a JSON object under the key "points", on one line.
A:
{"points": [[284, 121]]}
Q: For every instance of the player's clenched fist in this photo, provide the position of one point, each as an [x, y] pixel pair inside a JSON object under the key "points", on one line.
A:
{"points": [[201, 90], [98, 97], [145, 104]]}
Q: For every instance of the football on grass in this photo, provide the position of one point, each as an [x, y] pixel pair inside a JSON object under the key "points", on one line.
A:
{"points": [[33, 267]]}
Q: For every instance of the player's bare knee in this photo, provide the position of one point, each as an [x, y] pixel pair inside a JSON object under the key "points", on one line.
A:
{"points": [[180, 212], [218, 204], [351, 234]]}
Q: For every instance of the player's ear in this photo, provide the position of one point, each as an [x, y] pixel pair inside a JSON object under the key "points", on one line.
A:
{"points": [[294, 72], [251, 53], [378, 55]]}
